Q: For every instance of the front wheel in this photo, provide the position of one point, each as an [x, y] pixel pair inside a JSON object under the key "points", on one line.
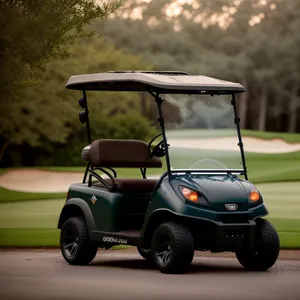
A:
{"points": [[267, 248], [75, 244], [172, 248]]}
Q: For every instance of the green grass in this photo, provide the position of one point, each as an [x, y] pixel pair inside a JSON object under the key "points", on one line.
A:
{"points": [[269, 135], [283, 202], [30, 223], [9, 196], [32, 214], [47, 237], [31, 237], [207, 133], [34, 223], [264, 168]]}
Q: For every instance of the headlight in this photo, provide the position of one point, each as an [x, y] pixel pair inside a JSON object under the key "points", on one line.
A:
{"points": [[189, 194], [192, 195], [254, 194]]}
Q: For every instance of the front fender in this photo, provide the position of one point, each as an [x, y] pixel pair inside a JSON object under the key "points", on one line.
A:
{"points": [[76, 207]]}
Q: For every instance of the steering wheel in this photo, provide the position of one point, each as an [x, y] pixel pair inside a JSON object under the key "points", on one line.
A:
{"points": [[159, 150]]}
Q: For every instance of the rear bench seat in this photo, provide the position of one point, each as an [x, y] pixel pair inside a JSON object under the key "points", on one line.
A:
{"points": [[115, 153], [129, 184]]}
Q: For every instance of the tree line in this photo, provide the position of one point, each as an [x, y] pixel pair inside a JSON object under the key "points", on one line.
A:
{"points": [[43, 43], [256, 43]]}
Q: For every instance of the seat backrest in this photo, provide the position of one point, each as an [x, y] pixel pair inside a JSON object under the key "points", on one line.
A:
{"points": [[117, 153]]}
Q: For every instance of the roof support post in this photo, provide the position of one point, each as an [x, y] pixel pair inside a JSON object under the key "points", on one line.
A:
{"points": [[88, 119], [240, 144], [83, 103], [161, 121]]}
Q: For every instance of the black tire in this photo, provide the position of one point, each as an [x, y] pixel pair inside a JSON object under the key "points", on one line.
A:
{"points": [[172, 248], [145, 253], [75, 244], [267, 248]]}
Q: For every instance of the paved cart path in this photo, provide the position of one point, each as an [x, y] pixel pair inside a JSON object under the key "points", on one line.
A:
{"points": [[125, 275]]}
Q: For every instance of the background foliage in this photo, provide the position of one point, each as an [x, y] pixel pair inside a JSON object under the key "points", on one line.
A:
{"points": [[255, 42]]}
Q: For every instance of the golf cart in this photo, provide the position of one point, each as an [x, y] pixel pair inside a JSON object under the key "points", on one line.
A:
{"points": [[185, 209]]}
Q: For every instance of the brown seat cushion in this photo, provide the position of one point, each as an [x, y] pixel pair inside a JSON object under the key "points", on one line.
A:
{"points": [[116, 153], [127, 184]]}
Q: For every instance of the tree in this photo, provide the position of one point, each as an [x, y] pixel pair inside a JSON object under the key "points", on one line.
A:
{"points": [[48, 113], [285, 20], [33, 32]]}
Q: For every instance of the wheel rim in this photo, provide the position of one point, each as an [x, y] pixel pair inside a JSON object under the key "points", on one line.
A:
{"points": [[70, 242], [164, 250]]}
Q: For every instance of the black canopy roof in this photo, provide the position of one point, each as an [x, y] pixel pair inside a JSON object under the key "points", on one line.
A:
{"points": [[163, 82]]}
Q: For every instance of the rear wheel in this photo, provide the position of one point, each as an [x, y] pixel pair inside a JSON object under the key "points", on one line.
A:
{"points": [[144, 253], [267, 248], [75, 244], [172, 248]]}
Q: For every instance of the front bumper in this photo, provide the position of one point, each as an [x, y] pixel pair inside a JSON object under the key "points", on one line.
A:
{"points": [[230, 237], [224, 231]]}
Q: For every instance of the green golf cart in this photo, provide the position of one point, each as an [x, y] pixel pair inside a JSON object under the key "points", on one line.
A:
{"points": [[167, 218]]}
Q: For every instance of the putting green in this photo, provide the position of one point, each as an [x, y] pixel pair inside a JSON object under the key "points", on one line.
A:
{"points": [[33, 223]]}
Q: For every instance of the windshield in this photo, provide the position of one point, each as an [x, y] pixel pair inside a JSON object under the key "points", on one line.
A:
{"points": [[201, 132]]}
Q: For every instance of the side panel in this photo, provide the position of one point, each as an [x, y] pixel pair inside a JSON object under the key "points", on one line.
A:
{"points": [[112, 212]]}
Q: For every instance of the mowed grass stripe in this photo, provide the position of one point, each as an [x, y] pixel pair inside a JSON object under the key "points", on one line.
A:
{"points": [[30, 237], [34, 223], [15, 196], [282, 199], [30, 214]]}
